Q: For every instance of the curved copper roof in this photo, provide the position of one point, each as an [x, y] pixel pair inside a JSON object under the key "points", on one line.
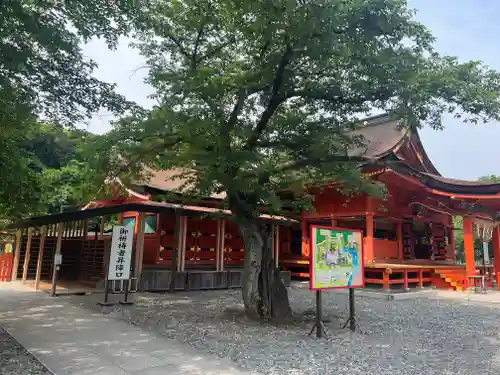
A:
{"points": [[385, 138], [381, 136]]}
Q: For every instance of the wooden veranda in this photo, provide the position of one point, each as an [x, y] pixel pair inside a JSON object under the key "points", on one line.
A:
{"points": [[85, 253]]}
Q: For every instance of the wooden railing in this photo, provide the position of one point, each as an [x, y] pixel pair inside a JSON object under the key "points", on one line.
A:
{"points": [[486, 270], [400, 277]]}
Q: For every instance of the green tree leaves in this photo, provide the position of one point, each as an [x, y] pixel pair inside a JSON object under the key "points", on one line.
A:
{"points": [[490, 179], [44, 75], [258, 96], [42, 59]]}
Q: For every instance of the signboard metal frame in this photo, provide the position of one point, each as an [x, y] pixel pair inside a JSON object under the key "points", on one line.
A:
{"points": [[312, 253], [351, 320]]}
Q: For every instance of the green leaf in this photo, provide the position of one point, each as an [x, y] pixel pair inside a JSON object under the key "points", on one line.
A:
{"points": [[260, 98]]}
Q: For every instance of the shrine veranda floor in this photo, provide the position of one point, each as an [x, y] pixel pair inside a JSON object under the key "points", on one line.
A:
{"points": [[444, 333]]}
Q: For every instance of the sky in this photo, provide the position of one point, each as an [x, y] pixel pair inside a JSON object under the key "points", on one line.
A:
{"points": [[463, 28]]}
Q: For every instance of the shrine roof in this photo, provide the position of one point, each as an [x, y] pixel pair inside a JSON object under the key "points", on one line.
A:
{"points": [[454, 181], [171, 180], [453, 185], [147, 207], [381, 136], [385, 140]]}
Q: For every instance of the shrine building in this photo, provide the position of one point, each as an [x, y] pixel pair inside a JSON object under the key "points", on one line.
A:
{"points": [[408, 237]]}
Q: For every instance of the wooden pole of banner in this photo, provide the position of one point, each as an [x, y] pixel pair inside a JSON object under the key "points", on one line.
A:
{"points": [[106, 293], [125, 298], [139, 253]]}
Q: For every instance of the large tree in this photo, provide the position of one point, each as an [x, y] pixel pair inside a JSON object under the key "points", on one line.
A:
{"points": [[43, 74], [260, 97]]}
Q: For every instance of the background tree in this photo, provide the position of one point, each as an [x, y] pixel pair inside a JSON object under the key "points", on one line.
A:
{"points": [[261, 97], [19, 184], [64, 161], [54, 167], [43, 74], [494, 179]]}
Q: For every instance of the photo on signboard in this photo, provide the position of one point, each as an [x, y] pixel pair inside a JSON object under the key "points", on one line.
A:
{"points": [[336, 258]]}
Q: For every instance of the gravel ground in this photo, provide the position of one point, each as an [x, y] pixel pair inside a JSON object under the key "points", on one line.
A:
{"points": [[15, 360], [431, 335]]}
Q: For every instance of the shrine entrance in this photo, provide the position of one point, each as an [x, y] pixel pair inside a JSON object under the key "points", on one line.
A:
{"points": [[422, 237]]}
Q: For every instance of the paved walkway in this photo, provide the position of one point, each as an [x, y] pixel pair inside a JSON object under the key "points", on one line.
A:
{"points": [[68, 339]]}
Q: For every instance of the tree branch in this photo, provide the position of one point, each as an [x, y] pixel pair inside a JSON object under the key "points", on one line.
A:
{"points": [[179, 45], [280, 143], [242, 95], [337, 96], [213, 107], [265, 176], [329, 159], [275, 100], [214, 51], [197, 44]]}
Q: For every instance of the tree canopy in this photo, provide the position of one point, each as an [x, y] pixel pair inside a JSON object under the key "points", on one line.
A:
{"points": [[45, 77], [261, 96], [53, 167], [43, 67], [491, 178]]}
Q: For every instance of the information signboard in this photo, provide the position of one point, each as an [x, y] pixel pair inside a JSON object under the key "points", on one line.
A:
{"points": [[336, 258], [121, 253]]}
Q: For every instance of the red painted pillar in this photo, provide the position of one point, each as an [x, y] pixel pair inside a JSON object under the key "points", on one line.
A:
{"points": [[369, 255], [399, 238], [305, 238], [451, 237], [386, 280], [496, 254], [470, 266]]}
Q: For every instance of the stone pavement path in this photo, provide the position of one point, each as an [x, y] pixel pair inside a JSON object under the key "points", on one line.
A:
{"points": [[68, 339]]}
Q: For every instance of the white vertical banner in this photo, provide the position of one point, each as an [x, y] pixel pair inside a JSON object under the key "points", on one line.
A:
{"points": [[486, 253], [121, 253]]}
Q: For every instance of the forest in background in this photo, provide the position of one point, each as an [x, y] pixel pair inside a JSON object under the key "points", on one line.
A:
{"points": [[54, 170]]}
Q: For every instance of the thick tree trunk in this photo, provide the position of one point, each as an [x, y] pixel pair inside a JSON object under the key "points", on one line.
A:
{"points": [[264, 294], [251, 272], [275, 302]]}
